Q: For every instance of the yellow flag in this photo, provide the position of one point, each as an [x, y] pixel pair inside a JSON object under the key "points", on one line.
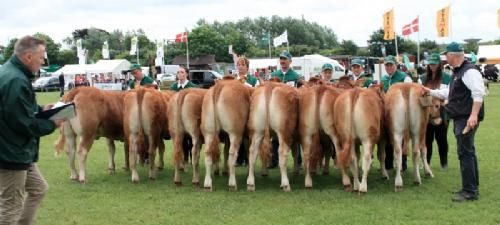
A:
{"points": [[443, 22], [389, 25]]}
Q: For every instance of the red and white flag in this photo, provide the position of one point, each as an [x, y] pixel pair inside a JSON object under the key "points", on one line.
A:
{"points": [[414, 25], [182, 37], [411, 27], [406, 30]]}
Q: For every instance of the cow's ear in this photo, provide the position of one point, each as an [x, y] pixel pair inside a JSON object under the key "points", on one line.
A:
{"points": [[425, 100]]}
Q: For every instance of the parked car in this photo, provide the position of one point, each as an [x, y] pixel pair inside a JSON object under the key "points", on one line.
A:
{"points": [[204, 78], [165, 77], [46, 84]]}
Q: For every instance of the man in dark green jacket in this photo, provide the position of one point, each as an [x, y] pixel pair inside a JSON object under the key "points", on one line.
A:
{"points": [[21, 132], [140, 78], [286, 74]]}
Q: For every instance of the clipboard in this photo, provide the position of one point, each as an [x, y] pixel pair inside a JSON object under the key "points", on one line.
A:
{"points": [[60, 111]]}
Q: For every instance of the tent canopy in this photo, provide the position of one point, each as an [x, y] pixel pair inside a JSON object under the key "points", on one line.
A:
{"points": [[115, 66], [490, 52], [71, 69]]}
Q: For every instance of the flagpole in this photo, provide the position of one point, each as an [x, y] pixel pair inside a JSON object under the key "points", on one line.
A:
{"points": [[287, 46], [396, 43], [449, 21], [418, 41], [269, 42], [187, 50], [137, 52]]}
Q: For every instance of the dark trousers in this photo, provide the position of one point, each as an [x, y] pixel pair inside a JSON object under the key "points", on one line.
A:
{"points": [[243, 153], [187, 145], [440, 133], [389, 157], [61, 89], [275, 155], [467, 156]]}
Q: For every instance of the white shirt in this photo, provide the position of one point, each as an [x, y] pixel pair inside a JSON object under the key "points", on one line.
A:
{"points": [[246, 83], [182, 85], [473, 80]]}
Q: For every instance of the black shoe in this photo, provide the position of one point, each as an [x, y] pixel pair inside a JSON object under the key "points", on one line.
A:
{"points": [[464, 196]]}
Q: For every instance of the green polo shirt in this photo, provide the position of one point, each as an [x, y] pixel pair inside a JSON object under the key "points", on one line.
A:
{"points": [[397, 77], [368, 80], [290, 76], [252, 80], [175, 86], [145, 80]]}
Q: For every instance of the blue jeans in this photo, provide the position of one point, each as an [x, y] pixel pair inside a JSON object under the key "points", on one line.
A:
{"points": [[467, 156]]}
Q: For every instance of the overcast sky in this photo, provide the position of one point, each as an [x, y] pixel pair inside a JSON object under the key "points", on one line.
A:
{"points": [[350, 20]]}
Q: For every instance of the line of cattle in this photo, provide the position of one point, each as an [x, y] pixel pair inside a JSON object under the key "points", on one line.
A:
{"points": [[230, 111]]}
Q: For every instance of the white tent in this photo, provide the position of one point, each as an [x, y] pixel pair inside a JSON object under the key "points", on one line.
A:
{"points": [[115, 67], [490, 52], [71, 69]]}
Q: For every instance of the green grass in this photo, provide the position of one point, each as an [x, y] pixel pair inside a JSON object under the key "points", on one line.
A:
{"points": [[113, 199]]}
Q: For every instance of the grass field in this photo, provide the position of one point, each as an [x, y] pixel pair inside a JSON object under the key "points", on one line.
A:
{"points": [[114, 199]]}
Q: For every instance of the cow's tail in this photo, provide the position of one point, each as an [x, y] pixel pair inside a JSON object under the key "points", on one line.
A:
{"points": [[265, 147], [345, 154], [60, 142], [406, 133], [70, 96], [316, 148], [141, 145], [214, 145], [179, 155]]}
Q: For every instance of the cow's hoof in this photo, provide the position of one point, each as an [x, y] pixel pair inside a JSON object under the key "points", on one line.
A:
{"points": [[398, 188], [429, 175], [264, 174], [161, 168], [348, 188], [182, 169], [225, 173], [135, 181], [417, 183], [251, 188], [196, 184], [178, 183], [361, 193], [73, 178], [111, 171], [208, 189], [286, 188], [385, 177], [152, 178], [82, 181], [309, 188], [232, 188]]}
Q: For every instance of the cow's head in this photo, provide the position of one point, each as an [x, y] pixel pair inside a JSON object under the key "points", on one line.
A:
{"points": [[434, 104]]}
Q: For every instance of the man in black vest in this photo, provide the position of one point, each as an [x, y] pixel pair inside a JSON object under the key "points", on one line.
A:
{"points": [[465, 106]]}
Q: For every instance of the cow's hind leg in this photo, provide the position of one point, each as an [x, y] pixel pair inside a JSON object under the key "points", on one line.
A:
{"points": [[178, 156], [306, 147], [111, 152], [133, 157], [71, 143], [153, 143], [85, 145], [427, 167], [209, 160], [366, 164], [195, 160], [235, 141], [381, 158], [283, 151], [416, 156], [355, 166], [398, 151], [253, 152], [161, 155]]}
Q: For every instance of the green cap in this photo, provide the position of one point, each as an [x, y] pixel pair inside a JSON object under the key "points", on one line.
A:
{"points": [[134, 66], [357, 62], [286, 54], [326, 66], [454, 47], [434, 59], [390, 59]]}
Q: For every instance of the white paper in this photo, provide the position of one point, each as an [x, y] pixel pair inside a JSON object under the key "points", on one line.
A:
{"points": [[66, 113]]}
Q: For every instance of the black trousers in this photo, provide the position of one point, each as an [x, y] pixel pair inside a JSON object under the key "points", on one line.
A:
{"points": [[243, 153], [61, 91], [187, 145], [389, 157], [440, 133], [467, 155], [275, 155]]}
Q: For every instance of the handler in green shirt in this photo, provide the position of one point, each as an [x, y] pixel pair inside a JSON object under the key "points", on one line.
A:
{"points": [[140, 78], [182, 81], [243, 65], [358, 72], [286, 74], [393, 75]]}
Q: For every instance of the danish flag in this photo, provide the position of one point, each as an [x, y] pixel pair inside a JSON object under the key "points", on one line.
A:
{"points": [[182, 37]]}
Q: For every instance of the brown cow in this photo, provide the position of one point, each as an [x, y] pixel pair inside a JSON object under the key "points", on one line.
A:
{"points": [[225, 109], [145, 115], [407, 113], [315, 121], [184, 116], [359, 119], [98, 114], [273, 109]]}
